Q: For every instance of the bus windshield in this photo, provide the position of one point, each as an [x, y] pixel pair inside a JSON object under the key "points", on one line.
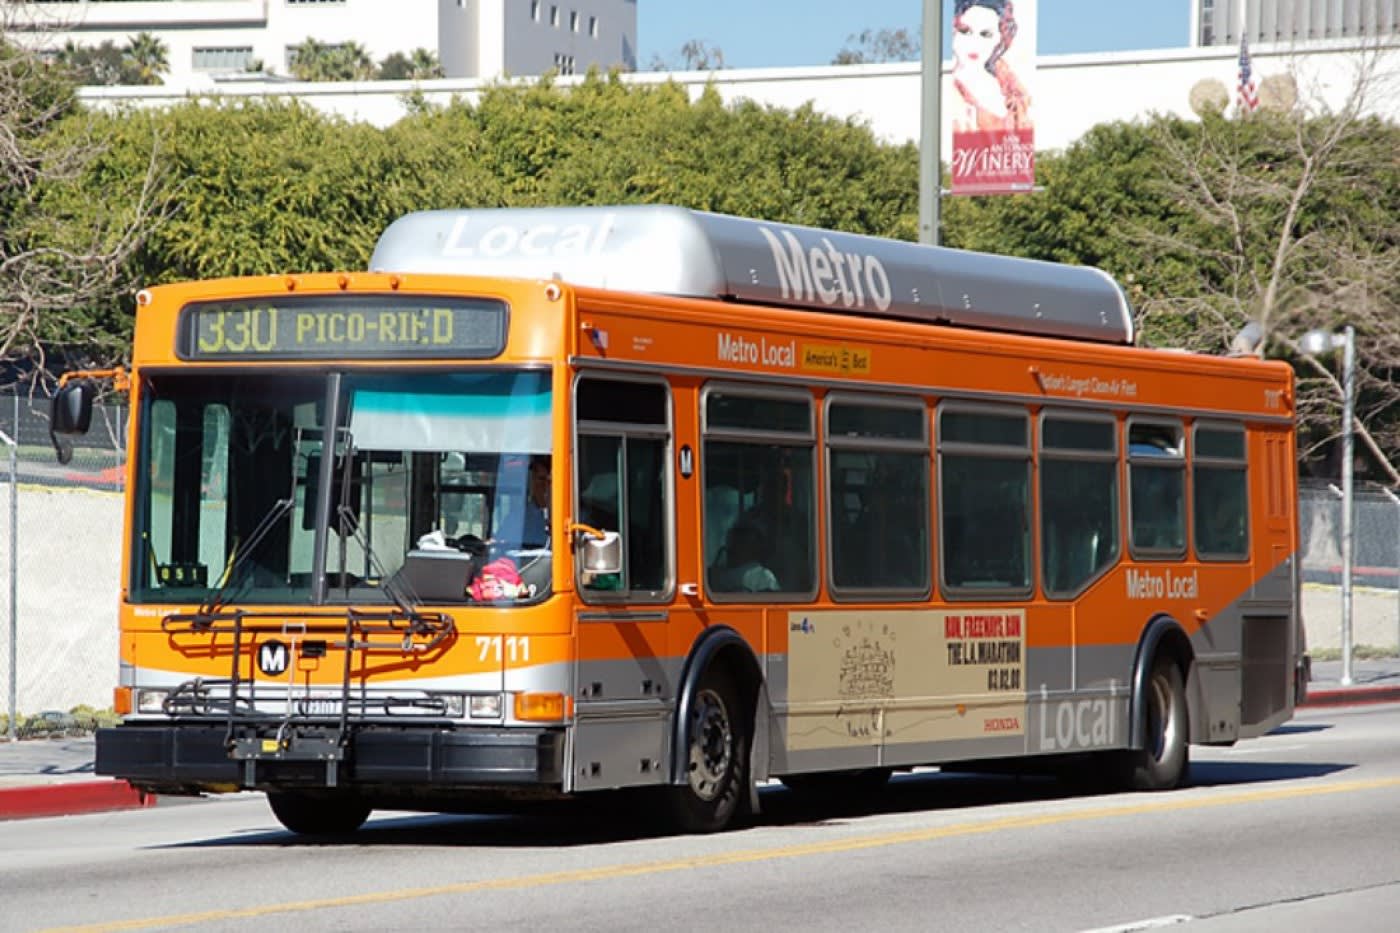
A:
{"points": [[448, 471]]}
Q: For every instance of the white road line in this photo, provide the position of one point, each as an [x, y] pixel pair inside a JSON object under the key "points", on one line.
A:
{"points": [[1151, 923]]}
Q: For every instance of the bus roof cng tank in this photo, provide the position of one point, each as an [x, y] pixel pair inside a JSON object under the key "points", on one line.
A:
{"points": [[675, 251]]}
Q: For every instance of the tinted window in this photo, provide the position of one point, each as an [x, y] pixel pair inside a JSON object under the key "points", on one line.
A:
{"points": [[878, 494], [759, 497], [1157, 489], [1078, 502], [1220, 503], [746, 412], [984, 501]]}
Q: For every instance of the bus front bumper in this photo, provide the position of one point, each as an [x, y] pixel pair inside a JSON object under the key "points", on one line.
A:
{"points": [[165, 758]]}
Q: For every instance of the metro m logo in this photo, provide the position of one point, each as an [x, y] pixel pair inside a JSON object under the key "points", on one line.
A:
{"points": [[273, 658]]}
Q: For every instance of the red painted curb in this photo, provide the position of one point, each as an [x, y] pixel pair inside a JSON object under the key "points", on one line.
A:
{"points": [[17, 803], [1351, 696]]}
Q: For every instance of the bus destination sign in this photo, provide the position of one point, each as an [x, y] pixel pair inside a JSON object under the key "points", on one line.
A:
{"points": [[343, 326]]}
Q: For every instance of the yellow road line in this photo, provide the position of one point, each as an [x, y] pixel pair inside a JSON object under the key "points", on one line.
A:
{"points": [[615, 872]]}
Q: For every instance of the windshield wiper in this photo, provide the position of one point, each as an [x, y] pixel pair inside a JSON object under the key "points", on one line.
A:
{"points": [[242, 552], [386, 582]]}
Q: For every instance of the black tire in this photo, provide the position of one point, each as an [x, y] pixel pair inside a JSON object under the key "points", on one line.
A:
{"points": [[316, 815], [715, 789], [1163, 761]]}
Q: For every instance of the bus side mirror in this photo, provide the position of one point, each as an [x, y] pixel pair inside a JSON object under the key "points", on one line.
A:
{"points": [[600, 554], [70, 415]]}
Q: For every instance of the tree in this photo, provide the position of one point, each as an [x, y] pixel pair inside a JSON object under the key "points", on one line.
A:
{"points": [[147, 56], [305, 60], [276, 186], [350, 61], [141, 61], [884, 45], [695, 55], [61, 261], [319, 61], [1290, 221], [419, 65], [103, 64]]}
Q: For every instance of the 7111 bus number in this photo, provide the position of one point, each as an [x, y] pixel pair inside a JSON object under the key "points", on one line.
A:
{"points": [[512, 648]]}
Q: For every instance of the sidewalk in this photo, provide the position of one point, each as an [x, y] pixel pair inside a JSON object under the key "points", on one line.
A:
{"points": [[1373, 681], [54, 777]]}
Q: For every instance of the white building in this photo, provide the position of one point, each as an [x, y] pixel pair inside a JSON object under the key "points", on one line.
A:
{"points": [[222, 38], [479, 40], [1219, 22], [1070, 94]]}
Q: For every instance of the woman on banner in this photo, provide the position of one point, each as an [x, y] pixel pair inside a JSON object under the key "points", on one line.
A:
{"points": [[992, 97]]}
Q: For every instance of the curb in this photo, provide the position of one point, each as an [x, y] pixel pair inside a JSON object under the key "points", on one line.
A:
{"points": [[1351, 696], [17, 803]]}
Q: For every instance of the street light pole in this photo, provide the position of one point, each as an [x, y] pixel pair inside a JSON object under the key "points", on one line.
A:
{"points": [[1314, 342], [931, 122], [1348, 500], [13, 728]]}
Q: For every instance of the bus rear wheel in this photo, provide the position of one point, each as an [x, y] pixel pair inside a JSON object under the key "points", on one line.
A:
{"points": [[315, 815], [715, 786], [1162, 762]]}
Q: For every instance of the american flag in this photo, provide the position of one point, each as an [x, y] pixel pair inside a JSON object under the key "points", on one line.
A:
{"points": [[1248, 95]]}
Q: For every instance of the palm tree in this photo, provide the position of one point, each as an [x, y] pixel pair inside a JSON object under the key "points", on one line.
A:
{"points": [[147, 57], [307, 60], [424, 64], [352, 63]]}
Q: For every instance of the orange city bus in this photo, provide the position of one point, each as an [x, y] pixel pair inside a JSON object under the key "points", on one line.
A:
{"points": [[561, 500]]}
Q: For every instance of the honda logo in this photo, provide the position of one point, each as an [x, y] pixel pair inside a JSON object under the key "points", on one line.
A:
{"points": [[272, 658]]}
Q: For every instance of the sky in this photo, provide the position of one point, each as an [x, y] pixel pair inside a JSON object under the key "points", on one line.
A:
{"points": [[775, 33]]}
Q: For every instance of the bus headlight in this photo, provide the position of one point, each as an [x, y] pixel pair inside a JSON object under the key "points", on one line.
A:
{"points": [[150, 701], [486, 706], [454, 705]]}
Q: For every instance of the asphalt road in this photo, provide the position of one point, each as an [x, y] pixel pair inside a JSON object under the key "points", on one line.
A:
{"points": [[1293, 831]]}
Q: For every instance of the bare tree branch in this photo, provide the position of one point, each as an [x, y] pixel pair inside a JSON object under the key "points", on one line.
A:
{"points": [[52, 265], [1278, 214]]}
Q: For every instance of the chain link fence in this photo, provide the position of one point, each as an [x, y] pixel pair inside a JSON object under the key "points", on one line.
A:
{"points": [[1375, 614], [60, 559]]}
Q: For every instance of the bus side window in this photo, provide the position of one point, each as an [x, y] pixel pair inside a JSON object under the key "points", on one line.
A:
{"points": [[1220, 495], [878, 495], [984, 463], [1157, 488], [623, 479], [1078, 500], [760, 497]]}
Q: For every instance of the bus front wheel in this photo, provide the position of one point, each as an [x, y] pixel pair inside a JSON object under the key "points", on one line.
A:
{"points": [[1162, 761], [311, 815], [715, 785]]}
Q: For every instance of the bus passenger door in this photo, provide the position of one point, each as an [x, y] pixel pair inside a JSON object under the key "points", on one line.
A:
{"points": [[624, 681]]}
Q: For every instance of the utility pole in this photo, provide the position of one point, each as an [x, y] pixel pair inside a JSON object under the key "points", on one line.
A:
{"points": [[931, 123]]}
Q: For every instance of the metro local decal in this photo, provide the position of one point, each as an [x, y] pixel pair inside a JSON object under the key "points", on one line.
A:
{"points": [[737, 349], [1144, 584]]}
